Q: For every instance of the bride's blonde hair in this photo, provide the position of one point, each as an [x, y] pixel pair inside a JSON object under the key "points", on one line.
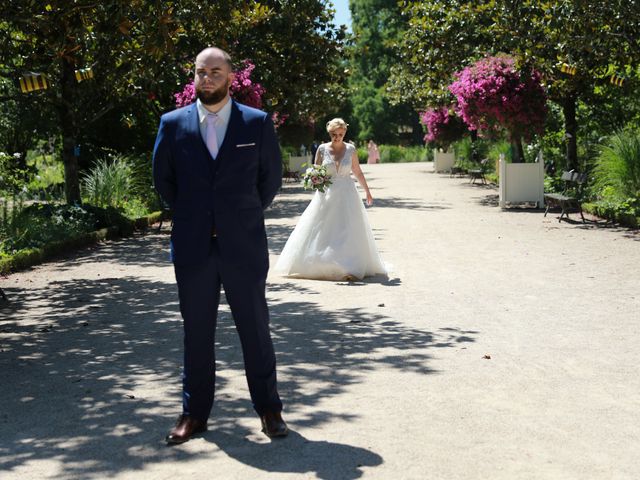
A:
{"points": [[336, 123]]}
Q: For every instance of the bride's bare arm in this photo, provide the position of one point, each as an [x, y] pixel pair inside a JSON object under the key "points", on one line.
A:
{"points": [[357, 171], [318, 159]]}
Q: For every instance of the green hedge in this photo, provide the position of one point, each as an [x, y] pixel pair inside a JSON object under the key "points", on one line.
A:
{"points": [[399, 154], [610, 213], [33, 256]]}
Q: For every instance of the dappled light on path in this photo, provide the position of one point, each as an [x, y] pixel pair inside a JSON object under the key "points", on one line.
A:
{"points": [[95, 364], [497, 332]]}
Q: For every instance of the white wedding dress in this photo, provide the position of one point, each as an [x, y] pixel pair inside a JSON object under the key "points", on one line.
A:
{"points": [[332, 239]]}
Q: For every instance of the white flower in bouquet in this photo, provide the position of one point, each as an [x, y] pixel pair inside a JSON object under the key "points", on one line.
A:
{"points": [[316, 178]]}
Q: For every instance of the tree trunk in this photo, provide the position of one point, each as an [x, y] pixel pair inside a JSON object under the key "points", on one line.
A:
{"points": [[475, 155], [69, 131], [571, 130], [517, 152]]}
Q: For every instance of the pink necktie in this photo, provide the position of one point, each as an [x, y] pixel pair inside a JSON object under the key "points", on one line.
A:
{"points": [[212, 139]]}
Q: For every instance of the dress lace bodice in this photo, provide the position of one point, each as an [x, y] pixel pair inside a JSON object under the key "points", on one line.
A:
{"points": [[339, 167]]}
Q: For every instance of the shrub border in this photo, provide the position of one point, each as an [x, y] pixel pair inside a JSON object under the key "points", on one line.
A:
{"points": [[29, 257], [624, 219]]}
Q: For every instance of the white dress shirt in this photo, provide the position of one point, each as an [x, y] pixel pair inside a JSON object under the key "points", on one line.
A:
{"points": [[221, 125]]}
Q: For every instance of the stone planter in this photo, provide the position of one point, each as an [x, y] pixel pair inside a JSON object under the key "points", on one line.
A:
{"points": [[521, 183], [443, 162]]}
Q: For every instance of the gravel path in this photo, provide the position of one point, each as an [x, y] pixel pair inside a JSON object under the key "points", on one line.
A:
{"points": [[504, 345]]}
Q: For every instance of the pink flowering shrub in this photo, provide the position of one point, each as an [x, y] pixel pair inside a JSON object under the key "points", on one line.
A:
{"points": [[244, 90], [187, 96], [443, 127], [491, 94], [278, 118]]}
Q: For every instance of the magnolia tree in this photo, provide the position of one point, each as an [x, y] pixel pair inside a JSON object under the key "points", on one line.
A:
{"points": [[492, 95], [242, 89], [443, 127]]}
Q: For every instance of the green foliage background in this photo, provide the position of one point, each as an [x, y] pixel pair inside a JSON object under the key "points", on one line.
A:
{"points": [[93, 138]]}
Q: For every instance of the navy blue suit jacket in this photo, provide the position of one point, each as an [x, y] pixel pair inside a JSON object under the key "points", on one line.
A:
{"points": [[228, 193]]}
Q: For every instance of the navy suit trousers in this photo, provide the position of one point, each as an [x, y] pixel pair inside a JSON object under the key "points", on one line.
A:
{"points": [[199, 293]]}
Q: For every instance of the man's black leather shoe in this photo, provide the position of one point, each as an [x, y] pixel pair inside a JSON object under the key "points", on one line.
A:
{"points": [[273, 425], [186, 427]]}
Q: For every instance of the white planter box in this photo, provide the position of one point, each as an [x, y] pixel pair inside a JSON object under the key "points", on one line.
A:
{"points": [[521, 182], [295, 163], [442, 162]]}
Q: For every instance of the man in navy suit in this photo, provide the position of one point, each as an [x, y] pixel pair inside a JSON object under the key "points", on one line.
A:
{"points": [[217, 164]]}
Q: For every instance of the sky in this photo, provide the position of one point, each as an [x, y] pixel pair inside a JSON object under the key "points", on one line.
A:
{"points": [[343, 16]]}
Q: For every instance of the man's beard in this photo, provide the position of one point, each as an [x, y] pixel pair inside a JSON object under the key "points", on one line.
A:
{"points": [[216, 96]]}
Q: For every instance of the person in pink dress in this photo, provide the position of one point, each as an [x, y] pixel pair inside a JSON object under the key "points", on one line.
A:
{"points": [[374, 155]]}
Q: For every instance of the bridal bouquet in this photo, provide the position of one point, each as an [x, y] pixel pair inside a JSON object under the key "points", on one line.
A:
{"points": [[316, 178]]}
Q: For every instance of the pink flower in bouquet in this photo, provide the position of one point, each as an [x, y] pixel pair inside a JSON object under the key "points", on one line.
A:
{"points": [[316, 178]]}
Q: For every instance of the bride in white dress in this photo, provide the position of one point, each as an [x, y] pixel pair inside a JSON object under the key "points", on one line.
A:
{"points": [[333, 239]]}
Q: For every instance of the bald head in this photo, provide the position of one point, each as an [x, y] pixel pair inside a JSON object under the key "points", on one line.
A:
{"points": [[214, 54]]}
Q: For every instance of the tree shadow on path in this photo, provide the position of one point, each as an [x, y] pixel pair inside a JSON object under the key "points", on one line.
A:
{"points": [[94, 367]]}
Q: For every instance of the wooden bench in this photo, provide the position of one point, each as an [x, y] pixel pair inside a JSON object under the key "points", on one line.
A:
{"points": [[290, 175], [478, 173], [570, 196], [457, 170]]}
